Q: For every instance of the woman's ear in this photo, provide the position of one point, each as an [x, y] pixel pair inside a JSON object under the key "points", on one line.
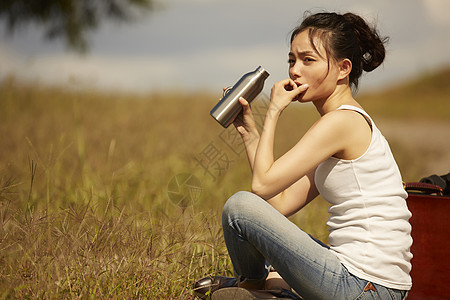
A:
{"points": [[345, 67]]}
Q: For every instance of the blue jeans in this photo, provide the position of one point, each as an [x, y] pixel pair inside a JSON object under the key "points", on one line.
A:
{"points": [[255, 232]]}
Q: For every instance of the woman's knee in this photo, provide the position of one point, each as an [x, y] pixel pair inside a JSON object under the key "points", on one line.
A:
{"points": [[240, 204]]}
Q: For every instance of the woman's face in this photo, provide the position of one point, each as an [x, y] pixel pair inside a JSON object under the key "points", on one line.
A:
{"points": [[306, 65]]}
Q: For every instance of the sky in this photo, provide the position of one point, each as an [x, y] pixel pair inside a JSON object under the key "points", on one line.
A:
{"points": [[191, 45]]}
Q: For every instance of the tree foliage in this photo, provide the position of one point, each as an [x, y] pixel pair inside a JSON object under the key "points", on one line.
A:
{"points": [[69, 19]]}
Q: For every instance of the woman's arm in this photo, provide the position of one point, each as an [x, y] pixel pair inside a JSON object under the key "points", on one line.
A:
{"points": [[324, 139], [294, 197], [246, 126]]}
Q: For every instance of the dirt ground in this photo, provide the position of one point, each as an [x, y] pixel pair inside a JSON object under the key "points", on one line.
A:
{"points": [[429, 139]]}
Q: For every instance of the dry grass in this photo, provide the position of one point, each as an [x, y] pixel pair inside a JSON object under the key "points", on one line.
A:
{"points": [[84, 209], [84, 178]]}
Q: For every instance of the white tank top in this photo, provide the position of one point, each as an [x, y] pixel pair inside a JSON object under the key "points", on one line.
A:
{"points": [[369, 228]]}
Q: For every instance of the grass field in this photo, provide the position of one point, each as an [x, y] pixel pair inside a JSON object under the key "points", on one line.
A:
{"points": [[92, 201]]}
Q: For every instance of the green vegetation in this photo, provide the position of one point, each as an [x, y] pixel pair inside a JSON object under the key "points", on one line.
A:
{"points": [[84, 177], [70, 20]]}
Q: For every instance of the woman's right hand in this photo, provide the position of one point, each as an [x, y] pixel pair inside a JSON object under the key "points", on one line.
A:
{"points": [[245, 122], [246, 126]]}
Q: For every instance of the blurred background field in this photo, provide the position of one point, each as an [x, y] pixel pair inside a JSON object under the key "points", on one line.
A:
{"points": [[88, 208]]}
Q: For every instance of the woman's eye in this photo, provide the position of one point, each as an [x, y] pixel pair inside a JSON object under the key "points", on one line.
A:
{"points": [[291, 61], [308, 59]]}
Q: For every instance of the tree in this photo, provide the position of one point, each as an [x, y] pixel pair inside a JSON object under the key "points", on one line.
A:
{"points": [[69, 19]]}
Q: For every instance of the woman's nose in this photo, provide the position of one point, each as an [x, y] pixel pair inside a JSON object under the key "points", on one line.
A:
{"points": [[294, 71]]}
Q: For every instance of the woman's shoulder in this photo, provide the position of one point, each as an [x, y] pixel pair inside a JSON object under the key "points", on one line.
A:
{"points": [[337, 125], [342, 119], [352, 128]]}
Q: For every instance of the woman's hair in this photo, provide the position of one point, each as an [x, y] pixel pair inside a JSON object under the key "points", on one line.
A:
{"points": [[346, 36]]}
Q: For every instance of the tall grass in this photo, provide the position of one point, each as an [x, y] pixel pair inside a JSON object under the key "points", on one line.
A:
{"points": [[83, 197], [85, 208]]}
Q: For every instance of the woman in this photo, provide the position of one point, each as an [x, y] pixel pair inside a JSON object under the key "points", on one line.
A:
{"points": [[344, 157]]}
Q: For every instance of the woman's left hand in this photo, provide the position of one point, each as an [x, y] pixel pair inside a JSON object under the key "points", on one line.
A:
{"points": [[284, 92]]}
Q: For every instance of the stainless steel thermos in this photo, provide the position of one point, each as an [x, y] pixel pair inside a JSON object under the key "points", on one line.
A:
{"points": [[248, 87]]}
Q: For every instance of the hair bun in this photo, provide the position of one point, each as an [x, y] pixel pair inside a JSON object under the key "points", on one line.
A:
{"points": [[371, 44]]}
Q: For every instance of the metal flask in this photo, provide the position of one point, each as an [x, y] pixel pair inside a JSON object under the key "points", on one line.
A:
{"points": [[248, 87]]}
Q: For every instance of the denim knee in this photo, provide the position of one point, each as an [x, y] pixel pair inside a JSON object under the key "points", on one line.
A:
{"points": [[239, 205]]}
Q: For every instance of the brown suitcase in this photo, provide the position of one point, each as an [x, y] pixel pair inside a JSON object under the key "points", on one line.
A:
{"points": [[431, 241]]}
